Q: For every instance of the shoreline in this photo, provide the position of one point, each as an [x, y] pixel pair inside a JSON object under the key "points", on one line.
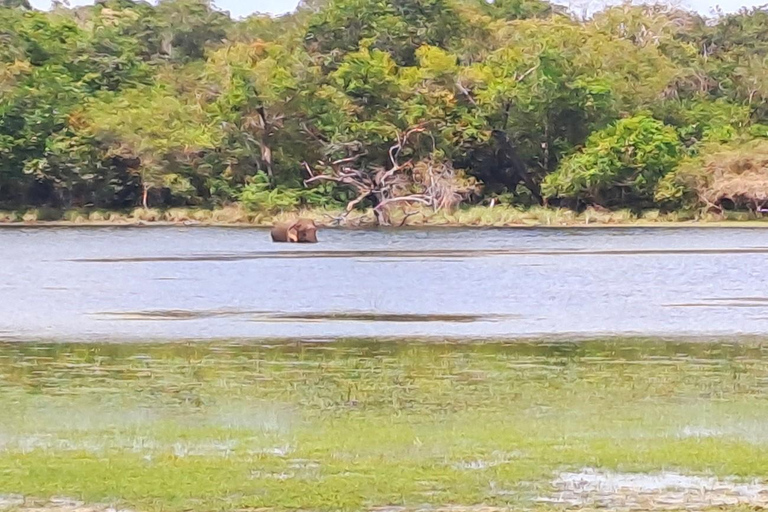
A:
{"points": [[477, 217], [165, 224]]}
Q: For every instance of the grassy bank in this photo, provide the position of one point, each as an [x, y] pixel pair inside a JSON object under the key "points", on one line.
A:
{"points": [[353, 426], [477, 216]]}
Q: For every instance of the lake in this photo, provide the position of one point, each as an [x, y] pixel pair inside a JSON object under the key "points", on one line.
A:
{"points": [[100, 416], [161, 283]]}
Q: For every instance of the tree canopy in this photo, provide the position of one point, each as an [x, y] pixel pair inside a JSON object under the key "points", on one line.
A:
{"points": [[365, 103]]}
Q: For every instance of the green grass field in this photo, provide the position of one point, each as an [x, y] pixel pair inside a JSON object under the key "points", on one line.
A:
{"points": [[359, 425]]}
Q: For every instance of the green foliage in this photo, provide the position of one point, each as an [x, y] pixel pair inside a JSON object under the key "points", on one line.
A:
{"points": [[621, 164], [368, 76], [156, 127], [259, 195], [397, 27], [759, 130], [111, 104], [188, 26], [551, 83], [704, 120], [517, 9], [16, 4]]}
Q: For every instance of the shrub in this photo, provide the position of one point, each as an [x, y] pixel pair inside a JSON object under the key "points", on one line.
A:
{"points": [[259, 196], [621, 164], [723, 175], [706, 120]]}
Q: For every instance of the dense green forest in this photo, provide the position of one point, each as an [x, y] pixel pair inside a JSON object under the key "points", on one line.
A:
{"points": [[382, 103]]}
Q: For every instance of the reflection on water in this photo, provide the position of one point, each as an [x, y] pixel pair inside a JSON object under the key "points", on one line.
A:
{"points": [[733, 302], [404, 254], [494, 283], [263, 316]]}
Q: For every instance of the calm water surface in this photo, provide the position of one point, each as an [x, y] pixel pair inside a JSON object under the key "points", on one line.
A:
{"points": [[196, 283]]}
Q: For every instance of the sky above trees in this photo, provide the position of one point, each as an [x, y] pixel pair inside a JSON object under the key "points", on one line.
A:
{"points": [[239, 8]]}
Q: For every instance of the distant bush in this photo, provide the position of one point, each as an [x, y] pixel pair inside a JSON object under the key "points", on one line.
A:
{"points": [[733, 175], [257, 195], [701, 121], [619, 165]]}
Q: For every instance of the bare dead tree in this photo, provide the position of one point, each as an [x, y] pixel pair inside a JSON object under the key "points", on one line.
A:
{"points": [[445, 187], [427, 182]]}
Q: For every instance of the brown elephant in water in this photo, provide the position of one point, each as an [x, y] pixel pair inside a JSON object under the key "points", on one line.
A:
{"points": [[298, 231]]}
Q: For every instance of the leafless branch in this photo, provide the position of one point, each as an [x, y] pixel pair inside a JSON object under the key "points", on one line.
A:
{"points": [[524, 75], [413, 198], [309, 170], [463, 90], [429, 183], [407, 216], [313, 133], [350, 159], [336, 219], [394, 151]]}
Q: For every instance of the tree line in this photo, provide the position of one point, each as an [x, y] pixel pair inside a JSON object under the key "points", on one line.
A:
{"points": [[377, 103]]}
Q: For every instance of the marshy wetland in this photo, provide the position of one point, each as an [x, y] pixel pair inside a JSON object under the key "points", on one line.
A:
{"points": [[206, 369]]}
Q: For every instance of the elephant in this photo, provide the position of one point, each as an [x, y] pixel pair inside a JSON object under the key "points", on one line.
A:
{"points": [[298, 231]]}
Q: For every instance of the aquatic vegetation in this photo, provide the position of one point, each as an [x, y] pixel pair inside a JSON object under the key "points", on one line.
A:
{"points": [[355, 425]]}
